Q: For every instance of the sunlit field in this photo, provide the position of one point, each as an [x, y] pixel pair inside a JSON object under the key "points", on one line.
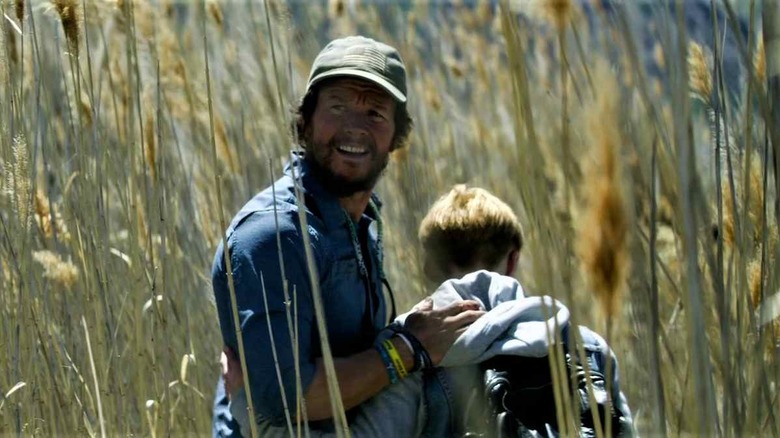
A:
{"points": [[636, 151]]}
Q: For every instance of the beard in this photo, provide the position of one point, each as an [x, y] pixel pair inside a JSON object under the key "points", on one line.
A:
{"points": [[320, 159]]}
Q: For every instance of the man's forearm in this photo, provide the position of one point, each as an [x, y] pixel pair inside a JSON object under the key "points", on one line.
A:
{"points": [[361, 376]]}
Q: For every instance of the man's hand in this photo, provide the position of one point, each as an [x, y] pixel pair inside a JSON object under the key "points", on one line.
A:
{"points": [[438, 329], [231, 371]]}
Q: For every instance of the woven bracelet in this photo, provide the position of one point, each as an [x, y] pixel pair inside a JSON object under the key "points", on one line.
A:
{"points": [[391, 371], [398, 363]]}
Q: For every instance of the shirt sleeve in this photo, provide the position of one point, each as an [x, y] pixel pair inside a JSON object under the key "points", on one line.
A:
{"points": [[254, 255]]}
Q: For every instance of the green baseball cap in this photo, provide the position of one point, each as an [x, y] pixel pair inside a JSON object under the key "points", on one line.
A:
{"points": [[364, 58]]}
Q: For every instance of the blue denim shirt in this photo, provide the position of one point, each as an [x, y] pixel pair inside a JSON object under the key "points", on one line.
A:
{"points": [[354, 307]]}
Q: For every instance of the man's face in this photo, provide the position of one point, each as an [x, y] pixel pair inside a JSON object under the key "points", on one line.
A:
{"points": [[350, 135]]}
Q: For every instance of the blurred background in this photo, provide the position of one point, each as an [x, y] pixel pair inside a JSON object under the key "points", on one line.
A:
{"points": [[630, 136]]}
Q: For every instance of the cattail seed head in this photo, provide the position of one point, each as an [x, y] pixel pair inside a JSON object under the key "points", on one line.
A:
{"points": [[728, 232], [17, 180], [754, 282], [215, 12], [10, 42], [48, 217], [756, 204], [19, 9], [556, 12], [560, 11], [224, 150], [43, 213], [603, 233], [699, 77], [336, 8], [69, 16], [759, 61], [86, 110], [61, 272]]}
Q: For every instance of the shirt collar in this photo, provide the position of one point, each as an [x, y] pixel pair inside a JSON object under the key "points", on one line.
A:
{"points": [[328, 205]]}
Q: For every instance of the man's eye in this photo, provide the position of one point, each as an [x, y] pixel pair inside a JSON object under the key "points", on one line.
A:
{"points": [[376, 116], [337, 108]]}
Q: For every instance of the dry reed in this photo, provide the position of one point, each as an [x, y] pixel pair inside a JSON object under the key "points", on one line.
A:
{"points": [[68, 11], [603, 232], [63, 273], [19, 10], [128, 174], [699, 72]]}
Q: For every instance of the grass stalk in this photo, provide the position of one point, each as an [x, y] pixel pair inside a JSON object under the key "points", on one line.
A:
{"points": [[582, 57], [722, 298], [632, 52], [770, 13], [748, 134], [557, 361], [280, 101], [659, 411], [572, 407], [291, 323], [276, 361], [520, 79], [336, 403], [770, 17], [94, 378], [686, 171], [135, 230], [223, 226], [300, 413]]}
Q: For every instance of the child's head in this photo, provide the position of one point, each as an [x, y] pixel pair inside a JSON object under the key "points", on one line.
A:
{"points": [[469, 229]]}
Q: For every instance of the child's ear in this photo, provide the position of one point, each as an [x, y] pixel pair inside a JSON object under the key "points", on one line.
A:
{"points": [[511, 261]]}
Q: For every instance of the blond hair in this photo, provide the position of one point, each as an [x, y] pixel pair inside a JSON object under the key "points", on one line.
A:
{"points": [[469, 228]]}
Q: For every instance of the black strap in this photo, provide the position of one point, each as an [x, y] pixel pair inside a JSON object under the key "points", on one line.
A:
{"points": [[393, 313]]}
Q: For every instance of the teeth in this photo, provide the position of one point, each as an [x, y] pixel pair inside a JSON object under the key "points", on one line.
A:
{"points": [[352, 149]]}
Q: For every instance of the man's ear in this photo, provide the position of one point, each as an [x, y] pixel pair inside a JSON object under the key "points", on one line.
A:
{"points": [[511, 261], [304, 142]]}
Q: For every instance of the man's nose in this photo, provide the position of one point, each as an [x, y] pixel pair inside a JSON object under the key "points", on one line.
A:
{"points": [[356, 124]]}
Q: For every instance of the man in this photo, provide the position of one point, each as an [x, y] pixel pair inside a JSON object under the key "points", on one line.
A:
{"points": [[352, 116]]}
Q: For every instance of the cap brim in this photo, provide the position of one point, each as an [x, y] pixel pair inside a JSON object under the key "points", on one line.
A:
{"points": [[351, 72]]}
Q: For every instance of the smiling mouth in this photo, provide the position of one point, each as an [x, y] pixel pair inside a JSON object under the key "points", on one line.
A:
{"points": [[352, 150]]}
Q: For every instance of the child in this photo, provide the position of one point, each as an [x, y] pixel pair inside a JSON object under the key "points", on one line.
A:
{"points": [[469, 230]]}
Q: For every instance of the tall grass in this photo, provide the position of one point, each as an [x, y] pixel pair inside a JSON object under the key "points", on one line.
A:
{"points": [[123, 154]]}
